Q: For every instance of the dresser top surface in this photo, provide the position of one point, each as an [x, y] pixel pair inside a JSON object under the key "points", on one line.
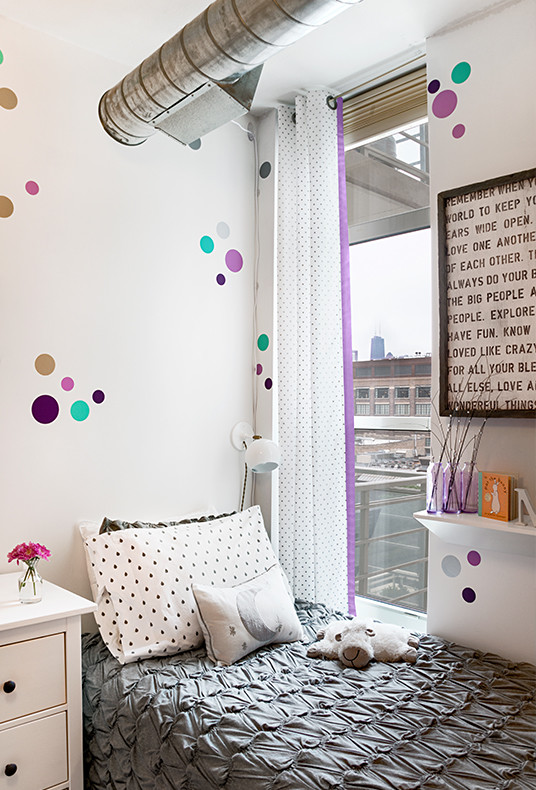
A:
{"points": [[56, 603]]}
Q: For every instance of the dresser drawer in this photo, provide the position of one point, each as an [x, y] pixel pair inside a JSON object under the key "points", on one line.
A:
{"points": [[36, 669], [35, 754]]}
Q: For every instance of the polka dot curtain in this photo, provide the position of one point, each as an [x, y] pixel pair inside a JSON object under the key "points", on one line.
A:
{"points": [[312, 483]]}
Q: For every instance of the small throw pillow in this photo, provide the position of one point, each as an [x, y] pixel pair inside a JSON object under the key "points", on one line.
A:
{"points": [[237, 620]]}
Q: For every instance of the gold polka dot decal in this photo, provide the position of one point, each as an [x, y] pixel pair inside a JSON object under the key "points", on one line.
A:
{"points": [[45, 364], [8, 99], [6, 206]]}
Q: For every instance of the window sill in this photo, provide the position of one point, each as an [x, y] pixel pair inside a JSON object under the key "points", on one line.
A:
{"points": [[467, 529], [387, 613]]}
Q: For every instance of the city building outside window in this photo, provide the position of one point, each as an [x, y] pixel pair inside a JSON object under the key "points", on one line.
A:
{"points": [[402, 409], [402, 392], [363, 393], [423, 392], [423, 409], [362, 409], [381, 409]]}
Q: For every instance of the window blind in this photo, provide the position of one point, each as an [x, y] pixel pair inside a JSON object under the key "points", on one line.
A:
{"points": [[385, 107]]}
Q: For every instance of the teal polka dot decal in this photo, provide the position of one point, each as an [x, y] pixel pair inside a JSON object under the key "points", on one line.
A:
{"points": [[460, 72], [207, 244], [80, 410], [1, 57], [263, 342]]}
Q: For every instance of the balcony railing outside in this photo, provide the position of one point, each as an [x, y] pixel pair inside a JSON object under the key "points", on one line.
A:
{"points": [[391, 547]]}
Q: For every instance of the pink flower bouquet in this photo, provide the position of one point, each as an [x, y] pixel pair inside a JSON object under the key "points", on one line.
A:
{"points": [[29, 554]]}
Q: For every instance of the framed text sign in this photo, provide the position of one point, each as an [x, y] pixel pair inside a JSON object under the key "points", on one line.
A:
{"points": [[487, 286]]}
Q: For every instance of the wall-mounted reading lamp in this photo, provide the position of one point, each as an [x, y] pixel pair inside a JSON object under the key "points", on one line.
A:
{"points": [[261, 455]]}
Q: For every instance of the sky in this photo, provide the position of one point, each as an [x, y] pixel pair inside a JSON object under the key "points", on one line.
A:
{"points": [[391, 294]]}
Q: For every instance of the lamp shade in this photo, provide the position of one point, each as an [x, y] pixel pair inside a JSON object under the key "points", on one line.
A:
{"points": [[262, 455]]}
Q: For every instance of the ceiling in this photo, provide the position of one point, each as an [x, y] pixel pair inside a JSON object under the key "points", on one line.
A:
{"points": [[363, 41]]}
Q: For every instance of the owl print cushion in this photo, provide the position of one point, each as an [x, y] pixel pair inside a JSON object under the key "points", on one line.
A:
{"points": [[143, 579], [237, 620]]}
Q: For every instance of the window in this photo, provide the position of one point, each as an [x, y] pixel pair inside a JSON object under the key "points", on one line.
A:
{"points": [[362, 409], [390, 260], [381, 408], [423, 392], [423, 409], [363, 393]]}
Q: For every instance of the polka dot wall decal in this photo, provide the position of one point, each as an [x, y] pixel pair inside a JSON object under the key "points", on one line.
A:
{"points": [[233, 260], [45, 409], [207, 244], [458, 131], [444, 104], [195, 145], [468, 595], [6, 207], [98, 396], [263, 342], [8, 99], [259, 369], [265, 169], [45, 364], [220, 279], [31, 187], [67, 384], [268, 384], [474, 558], [461, 72], [80, 410], [1, 57], [434, 86], [223, 230], [451, 566]]}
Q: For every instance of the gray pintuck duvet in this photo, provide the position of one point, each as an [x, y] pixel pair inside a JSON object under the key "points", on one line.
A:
{"points": [[277, 720]]}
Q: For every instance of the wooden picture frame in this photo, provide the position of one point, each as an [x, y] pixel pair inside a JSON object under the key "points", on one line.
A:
{"points": [[487, 297]]}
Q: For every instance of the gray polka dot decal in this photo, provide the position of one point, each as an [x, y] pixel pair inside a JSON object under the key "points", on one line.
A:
{"points": [[265, 169]]}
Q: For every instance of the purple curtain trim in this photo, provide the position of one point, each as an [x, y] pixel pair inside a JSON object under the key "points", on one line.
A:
{"points": [[347, 365]]}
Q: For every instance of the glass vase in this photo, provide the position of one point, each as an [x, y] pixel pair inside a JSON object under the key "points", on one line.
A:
{"points": [[30, 584], [451, 489], [469, 488], [434, 487]]}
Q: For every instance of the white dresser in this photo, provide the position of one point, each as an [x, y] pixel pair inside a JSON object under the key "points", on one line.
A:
{"points": [[40, 689]]}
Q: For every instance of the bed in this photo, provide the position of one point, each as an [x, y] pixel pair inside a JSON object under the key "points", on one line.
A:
{"points": [[276, 719]]}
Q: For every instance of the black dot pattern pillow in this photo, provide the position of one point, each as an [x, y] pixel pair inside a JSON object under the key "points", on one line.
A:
{"points": [[144, 578]]}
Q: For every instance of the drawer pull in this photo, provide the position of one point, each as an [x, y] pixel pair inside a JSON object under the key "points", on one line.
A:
{"points": [[9, 686], [10, 769]]}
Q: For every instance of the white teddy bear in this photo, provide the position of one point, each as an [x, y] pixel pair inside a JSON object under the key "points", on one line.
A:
{"points": [[356, 642]]}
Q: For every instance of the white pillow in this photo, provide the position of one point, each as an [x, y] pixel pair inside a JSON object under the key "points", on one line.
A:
{"points": [[143, 579], [237, 620]]}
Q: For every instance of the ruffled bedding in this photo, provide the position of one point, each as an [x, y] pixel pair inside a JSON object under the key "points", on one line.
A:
{"points": [[458, 719]]}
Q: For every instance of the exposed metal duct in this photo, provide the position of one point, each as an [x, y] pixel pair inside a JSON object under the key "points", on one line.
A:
{"points": [[207, 73]]}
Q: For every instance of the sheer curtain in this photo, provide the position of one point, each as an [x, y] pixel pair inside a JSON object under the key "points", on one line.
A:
{"points": [[315, 517]]}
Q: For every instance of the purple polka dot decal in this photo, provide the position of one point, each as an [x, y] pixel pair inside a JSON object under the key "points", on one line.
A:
{"points": [[474, 558], [434, 86], [67, 384], [31, 187], [220, 279], [458, 131], [468, 595], [268, 384], [98, 396], [444, 104], [45, 409], [259, 369], [233, 261]]}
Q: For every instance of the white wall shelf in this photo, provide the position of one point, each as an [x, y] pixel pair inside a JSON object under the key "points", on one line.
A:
{"points": [[468, 529]]}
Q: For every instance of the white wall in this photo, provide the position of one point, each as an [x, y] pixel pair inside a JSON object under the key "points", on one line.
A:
{"points": [[103, 270], [497, 105]]}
